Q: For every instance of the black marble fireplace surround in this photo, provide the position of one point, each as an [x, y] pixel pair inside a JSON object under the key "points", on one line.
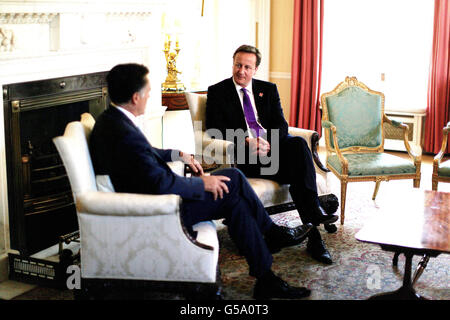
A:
{"points": [[41, 207]]}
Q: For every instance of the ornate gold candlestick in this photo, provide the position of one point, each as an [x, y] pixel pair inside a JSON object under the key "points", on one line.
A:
{"points": [[172, 82]]}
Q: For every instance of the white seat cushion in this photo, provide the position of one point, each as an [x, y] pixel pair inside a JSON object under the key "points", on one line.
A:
{"points": [[270, 192], [104, 183]]}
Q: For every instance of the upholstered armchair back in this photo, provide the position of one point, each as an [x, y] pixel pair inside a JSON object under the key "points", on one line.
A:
{"points": [[88, 122], [197, 107], [357, 115], [74, 151]]}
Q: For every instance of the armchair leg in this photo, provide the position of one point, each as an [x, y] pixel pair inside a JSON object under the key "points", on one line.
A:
{"points": [[434, 185], [417, 183], [204, 292], [377, 187], [329, 202], [343, 195]]}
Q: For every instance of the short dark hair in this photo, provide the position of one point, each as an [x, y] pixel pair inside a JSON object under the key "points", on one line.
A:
{"points": [[249, 49], [124, 80]]}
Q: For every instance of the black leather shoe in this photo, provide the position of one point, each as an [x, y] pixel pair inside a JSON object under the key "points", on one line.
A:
{"points": [[316, 248], [280, 237], [319, 216], [277, 288]]}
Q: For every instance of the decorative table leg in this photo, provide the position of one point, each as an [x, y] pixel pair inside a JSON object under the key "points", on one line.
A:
{"points": [[395, 259], [405, 292], [422, 265]]}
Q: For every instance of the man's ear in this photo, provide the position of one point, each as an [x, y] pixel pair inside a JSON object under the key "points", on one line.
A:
{"points": [[135, 97]]}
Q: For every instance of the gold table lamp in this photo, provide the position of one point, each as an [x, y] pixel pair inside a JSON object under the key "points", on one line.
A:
{"points": [[172, 83]]}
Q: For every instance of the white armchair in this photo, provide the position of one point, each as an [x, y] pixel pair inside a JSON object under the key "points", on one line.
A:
{"points": [[275, 197], [133, 239]]}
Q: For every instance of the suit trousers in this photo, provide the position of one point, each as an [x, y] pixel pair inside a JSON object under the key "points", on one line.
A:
{"points": [[245, 217], [296, 168]]}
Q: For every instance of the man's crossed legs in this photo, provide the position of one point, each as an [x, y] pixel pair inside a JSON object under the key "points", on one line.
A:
{"points": [[251, 229]]}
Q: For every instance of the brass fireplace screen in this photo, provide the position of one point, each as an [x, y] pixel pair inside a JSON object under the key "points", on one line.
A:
{"points": [[41, 207]]}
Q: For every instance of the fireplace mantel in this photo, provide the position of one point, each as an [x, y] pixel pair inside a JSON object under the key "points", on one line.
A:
{"points": [[80, 5], [58, 38]]}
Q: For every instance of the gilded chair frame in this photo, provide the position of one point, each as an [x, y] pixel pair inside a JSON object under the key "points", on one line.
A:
{"points": [[438, 159], [344, 178]]}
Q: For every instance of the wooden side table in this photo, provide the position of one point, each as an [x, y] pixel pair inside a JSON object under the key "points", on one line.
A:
{"points": [[177, 100], [417, 225], [174, 101]]}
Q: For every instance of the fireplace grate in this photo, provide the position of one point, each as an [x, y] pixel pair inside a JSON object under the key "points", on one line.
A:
{"points": [[41, 205]]}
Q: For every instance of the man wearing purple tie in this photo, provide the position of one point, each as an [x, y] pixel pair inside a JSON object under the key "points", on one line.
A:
{"points": [[242, 103]]}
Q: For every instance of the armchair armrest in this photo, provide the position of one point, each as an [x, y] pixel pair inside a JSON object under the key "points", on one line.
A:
{"points": [[221, 151], [141, 234], [415, 156], [127, 204], [328, 125], [312, 138], [437, 158]]}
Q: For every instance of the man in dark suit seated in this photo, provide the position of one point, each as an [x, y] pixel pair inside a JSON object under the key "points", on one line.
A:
{"points": [[120, 150], [244, 104]]}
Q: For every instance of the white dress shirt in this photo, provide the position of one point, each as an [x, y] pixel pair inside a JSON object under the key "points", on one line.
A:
{"points": [[129, 115]]}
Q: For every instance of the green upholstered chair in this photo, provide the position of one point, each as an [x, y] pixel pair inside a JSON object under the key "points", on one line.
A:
{"points": [[353, 118], [441, 169]]}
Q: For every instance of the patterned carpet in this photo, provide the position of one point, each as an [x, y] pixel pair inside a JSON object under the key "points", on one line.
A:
{"points": [[359, 271]]}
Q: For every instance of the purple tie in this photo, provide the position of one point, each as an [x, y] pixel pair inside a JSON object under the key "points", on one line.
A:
{"points": [[250, 115]]}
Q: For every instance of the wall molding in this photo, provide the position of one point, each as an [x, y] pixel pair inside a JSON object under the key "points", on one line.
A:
{"points": [[23, 18], [280, 75]]}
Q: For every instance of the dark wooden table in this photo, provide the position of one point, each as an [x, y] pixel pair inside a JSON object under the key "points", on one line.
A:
{"points": [[416, 225], [174, 101]]}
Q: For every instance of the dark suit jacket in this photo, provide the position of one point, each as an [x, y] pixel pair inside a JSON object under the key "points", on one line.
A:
{"points": [[118, 148], [224, 109]]}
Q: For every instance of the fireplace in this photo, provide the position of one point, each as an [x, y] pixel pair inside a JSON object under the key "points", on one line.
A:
{"points": [[41, 207], [53, 40]]}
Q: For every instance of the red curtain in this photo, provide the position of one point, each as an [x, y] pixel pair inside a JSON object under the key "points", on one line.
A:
{"points": [[306, 65], [438, 104]]}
